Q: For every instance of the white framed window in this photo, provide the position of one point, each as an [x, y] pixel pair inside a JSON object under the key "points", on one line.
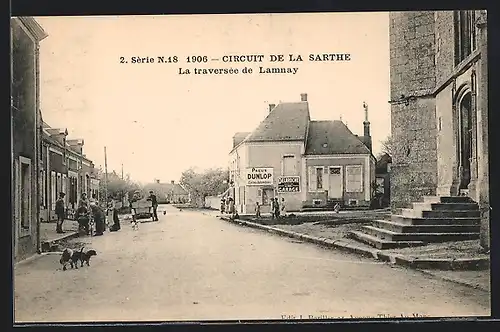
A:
{"points": [[289, 165], [354, 178], [53, 190], [59, 184], [24, 195], [65, 187], [353, 202], [316, 178]]}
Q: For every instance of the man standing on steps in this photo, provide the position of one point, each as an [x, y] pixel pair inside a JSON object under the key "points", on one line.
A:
{"points": [[60, 212], [154, 202]]}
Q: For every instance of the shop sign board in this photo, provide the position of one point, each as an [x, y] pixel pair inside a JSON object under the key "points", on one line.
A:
{"points": [[259, 176], [288, 184]]}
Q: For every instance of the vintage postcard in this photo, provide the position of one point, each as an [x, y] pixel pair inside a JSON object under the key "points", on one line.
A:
{"points": [[300, 166]]}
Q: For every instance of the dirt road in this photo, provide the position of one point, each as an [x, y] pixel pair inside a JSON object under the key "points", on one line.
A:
{"points": [[191, 266]]}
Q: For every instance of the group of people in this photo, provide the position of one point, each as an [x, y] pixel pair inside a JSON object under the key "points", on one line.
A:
{"points": [[227, 206], [277, 209], [88, 210]]}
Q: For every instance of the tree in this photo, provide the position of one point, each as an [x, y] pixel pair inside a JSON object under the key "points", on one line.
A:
{"points": [[117, 187], [387, 145], [210, 182]]}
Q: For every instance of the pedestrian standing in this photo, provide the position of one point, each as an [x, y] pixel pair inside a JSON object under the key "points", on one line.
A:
{"points": [[283, 207], [84, 213], [116, 220], [154, 202], [257, 209], [231, 207], [336, 208], [272, 208], [276, 208], [98, 215], [60, 212], [222, 206]]}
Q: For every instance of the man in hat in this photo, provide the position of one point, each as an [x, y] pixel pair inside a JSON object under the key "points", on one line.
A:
{"points": [[60, 212], [154, 203]]}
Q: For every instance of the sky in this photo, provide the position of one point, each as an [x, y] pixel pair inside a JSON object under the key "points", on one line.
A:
{"points": [[158, 123]]}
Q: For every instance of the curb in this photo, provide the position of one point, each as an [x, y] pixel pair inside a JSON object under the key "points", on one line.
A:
{"points": [[47, 244], [455, 280], [33, 258], [395, 259]]}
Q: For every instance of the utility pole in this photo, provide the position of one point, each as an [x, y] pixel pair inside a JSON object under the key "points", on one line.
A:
{"points": [[106, 178]]}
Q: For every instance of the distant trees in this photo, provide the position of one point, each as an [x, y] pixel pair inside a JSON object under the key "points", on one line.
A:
{"points": [[210, 182], [387, 146], [117, 187]]}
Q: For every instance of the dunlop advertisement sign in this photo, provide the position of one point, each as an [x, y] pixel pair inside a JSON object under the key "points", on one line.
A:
{"points": [[258, 176]]}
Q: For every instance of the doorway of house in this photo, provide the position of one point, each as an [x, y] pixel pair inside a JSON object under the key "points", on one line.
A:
{"points": [[335, 187], [465, 141]]}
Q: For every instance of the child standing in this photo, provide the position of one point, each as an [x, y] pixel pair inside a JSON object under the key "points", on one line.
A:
{"points": [[257, 210]]}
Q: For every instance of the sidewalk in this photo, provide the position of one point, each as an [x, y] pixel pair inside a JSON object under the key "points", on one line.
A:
{"points": [[458, 262], [48, 230]]}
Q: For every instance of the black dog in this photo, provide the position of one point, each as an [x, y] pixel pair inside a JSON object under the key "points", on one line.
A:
{"points": [[87, 255], [70, 257]]}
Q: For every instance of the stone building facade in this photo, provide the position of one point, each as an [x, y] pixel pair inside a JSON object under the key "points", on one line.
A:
{"points": [[439, 107], [26, 35]]}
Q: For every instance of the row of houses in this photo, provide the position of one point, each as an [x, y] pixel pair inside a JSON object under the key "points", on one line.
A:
{"points": [[167, 193], [311, 164], [65, 168], [43, 161]]}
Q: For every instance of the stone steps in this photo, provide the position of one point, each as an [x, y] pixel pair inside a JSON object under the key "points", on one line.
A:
{"points": [[383, 244], [388, 235], [434, 228], [423, 206], [451, 214], [433, 220]]}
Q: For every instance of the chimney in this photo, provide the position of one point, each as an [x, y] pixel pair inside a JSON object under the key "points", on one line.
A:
{"points": [[172, 182], [271, 106], [366, 128], [58, 134], [76, 145], [303, 97]]}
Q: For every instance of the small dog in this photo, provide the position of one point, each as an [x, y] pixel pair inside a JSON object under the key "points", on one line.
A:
{"points": [[135, 224], [71, 257], [87, 255], [77, 256]]}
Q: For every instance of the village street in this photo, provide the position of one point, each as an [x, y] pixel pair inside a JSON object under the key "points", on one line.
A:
{"points": [[193, 266]]}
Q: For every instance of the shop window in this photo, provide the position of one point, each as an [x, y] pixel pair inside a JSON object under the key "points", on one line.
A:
{"points": [[465, 34], [354, 178], [267, 194]]}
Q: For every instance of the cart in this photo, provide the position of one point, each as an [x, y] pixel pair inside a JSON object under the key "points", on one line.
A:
{"points": [[143, 209]]}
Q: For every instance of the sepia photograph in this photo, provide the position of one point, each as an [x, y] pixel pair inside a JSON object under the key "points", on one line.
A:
{"points": [[285, 166]]}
